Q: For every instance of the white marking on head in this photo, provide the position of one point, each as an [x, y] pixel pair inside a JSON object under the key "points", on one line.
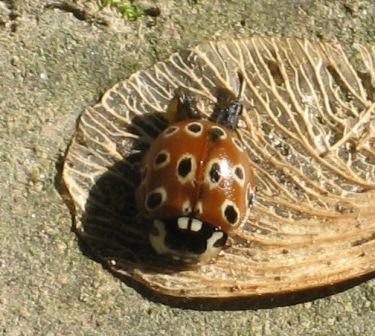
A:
{"points": [[198, 208], [186, 207], [211, 250], [196, 225], [157, 239], [214, 238], [158, 234], [183, 223]]}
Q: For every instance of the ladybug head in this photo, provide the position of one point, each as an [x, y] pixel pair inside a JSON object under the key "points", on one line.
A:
{"points": [[187, 240]]}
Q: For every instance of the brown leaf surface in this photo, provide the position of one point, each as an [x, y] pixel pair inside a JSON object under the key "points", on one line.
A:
{"points": [[309, 129]]}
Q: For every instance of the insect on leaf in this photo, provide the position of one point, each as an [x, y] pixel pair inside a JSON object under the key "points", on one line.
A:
{"points": [[309, 130]]}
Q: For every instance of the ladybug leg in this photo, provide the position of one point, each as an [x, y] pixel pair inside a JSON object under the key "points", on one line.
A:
{"points": [[228, 108], [182, 106]]}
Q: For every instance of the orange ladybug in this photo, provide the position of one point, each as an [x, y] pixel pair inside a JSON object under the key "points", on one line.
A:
{"points": [[197, 183]]}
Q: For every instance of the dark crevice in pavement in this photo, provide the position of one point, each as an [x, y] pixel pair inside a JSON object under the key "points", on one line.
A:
{"points": [[79, 13], [13, 14]]}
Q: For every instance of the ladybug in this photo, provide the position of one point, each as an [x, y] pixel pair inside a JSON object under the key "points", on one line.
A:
{"points": [[197, 184]]}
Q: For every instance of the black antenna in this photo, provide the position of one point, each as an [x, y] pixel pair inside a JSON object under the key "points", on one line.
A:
{"points": [[229, 107]]}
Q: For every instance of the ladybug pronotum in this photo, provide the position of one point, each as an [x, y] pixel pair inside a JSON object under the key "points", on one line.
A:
{"points": [[197, 184]]}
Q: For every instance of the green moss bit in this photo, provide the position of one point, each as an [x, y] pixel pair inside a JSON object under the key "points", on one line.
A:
{"points": [[126, 9]]}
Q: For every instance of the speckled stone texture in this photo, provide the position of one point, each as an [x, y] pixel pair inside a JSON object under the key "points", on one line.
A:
{"points": [[53, 64]]}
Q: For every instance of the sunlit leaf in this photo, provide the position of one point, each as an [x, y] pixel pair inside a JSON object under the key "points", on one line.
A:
{"points": [[309, 130]]}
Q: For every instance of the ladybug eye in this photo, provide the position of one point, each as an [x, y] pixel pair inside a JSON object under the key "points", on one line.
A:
{"points": [[156, 198], [161, 159], [230, 212], [194, 128]]}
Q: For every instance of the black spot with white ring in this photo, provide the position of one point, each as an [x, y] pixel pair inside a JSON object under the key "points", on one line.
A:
{"points": [[156, 198], [170, 131], [215, 172], [230, 212], [217, 133], [184, 167], [194, 128], [239, 174], [161, 159]]}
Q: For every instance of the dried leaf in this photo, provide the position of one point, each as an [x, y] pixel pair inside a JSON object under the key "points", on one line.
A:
{"points": [[309, 129]]}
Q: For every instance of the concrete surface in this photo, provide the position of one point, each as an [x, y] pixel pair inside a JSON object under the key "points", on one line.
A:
{"points": [[53, 64]]}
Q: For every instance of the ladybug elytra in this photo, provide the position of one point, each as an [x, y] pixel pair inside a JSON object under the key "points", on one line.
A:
{"points": [[197, 183]]}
